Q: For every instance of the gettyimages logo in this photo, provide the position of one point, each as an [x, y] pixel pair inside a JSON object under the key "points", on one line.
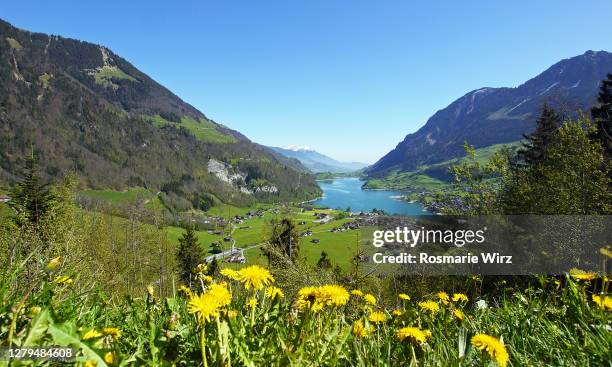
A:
{"points": [[411, 237]]}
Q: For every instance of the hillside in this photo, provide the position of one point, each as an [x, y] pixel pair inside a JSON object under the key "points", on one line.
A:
{"points": [[489, 116], [83, 108], [317, 162]]}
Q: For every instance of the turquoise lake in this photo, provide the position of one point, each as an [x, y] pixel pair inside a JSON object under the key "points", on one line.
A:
{"points": [[341, 193]]}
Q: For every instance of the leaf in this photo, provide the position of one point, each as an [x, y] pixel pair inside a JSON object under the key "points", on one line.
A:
{"points": [[65, 335], [38, 329]]}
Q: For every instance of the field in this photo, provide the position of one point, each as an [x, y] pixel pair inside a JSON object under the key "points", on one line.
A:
{"points": [[128, 196], [203, 130]]}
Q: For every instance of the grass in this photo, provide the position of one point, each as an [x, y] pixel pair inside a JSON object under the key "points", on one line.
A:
{"points": [[203, 129], [14, 43], [104, 76], [44, 80], [125, 197]]}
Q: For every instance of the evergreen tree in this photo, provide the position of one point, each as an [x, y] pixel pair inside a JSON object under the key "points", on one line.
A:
{"points": [[284, 240], [31, 197], [534, 150], [189, 255], [602, 115], [213, 267], [324, 262]]}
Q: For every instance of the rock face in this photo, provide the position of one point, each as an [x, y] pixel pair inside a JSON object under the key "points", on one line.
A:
{"points": [[488, 116], [237, 179]]}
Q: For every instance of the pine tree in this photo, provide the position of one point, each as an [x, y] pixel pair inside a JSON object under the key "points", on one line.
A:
{"points": [[602, 115], [31, 196], [284, 240], [324, 262], [189, 255], [534, 150]]}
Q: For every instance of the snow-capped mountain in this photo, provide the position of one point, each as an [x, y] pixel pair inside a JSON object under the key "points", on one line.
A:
{"points": [[315, 161]]}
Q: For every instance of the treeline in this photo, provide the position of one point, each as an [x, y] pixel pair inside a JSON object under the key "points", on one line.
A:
{"points": [[564, 167]]}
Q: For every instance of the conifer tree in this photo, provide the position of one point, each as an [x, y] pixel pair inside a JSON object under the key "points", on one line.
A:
{"points": [[602, 116], [534, 150], [31, 196], [189, 255]]}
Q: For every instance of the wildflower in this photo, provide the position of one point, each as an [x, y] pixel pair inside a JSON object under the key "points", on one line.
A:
{"points": [[481, 304], [369, 298], [377, 317], [219, 294], [429, 306], [273, 292], [460, 297], [582, 275], [92, 334], [397, 312], [91, 363], [201, 268], [357, 293], [316, 298], [112, 331], [150, 290], [110, 357], [206, 279], [459, 314], [404, 296], [232, 274], [204, 306], [604, 302], [35, 310], [443, 296], [255, 276], [359, 330], [186, 290], [54, 263], [252, 303], [63, 279], [606, 251], [493, 346], [232, 314], [415, 334]]}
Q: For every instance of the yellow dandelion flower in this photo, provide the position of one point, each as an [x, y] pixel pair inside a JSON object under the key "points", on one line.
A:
{"points": [[459, 314], [606, 251], [220, 294], [207, 279], [377, 317], [252, 302], [369, 298], [255, 276], [582, 275], [443, 296], [91, 363], [230, 273], [273, 292], [357, 293], [413, 334], [460, 297], [203, 306], [63, 279], [404, 296], [150, 290], [201, 268], [427, 333], [332, 295], [429, 306], [232, 314], [110, 357], [397, 312], [359, 330], [112, 331], [604, 302], [92, 334], [493, 346], [54, 263]]}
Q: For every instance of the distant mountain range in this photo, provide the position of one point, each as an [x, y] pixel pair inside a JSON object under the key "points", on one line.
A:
{"points": [[317, 162], [83, 108], [489, 116]]}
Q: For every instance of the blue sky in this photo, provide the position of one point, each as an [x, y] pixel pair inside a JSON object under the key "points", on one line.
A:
{"points": [[348, 78]]}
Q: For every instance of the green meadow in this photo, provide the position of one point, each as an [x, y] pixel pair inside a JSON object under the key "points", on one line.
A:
{"points": [[203, 129]]}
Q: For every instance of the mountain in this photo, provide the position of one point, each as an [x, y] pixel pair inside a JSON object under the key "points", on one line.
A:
{"points": [[488, 116], [317, 162], [83, 108]]}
